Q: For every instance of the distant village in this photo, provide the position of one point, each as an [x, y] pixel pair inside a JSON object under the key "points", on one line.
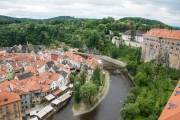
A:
{"points": [[31, 75]]}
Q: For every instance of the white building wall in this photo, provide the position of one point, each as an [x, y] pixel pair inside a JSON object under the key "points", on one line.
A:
{"points": [[139, 39], [126, 37], [41, 70]]}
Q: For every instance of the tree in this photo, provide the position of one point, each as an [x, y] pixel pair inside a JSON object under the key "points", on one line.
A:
{"points": [[96, 77], [146, 107], [77, 97], [129, 111], [114, 52], [135, 90], [141, 79], [131, 67], [72, 78], [87, 92], [131, 98], [93, 39], [133, 33], [82, 78]]}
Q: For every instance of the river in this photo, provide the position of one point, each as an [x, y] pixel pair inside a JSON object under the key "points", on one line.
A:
{"points": [[110, 106]]}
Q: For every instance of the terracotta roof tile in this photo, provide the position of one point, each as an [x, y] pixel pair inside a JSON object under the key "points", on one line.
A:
{"points": [[8, 97], [164, 33], [172, 108]]}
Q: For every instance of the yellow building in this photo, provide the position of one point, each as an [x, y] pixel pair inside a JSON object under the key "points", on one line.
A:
{"points": [[10, 108]]}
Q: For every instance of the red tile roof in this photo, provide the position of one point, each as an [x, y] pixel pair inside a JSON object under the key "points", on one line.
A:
{"points": [[164, 33], [8, 97], [16, 65], [172, 109]]}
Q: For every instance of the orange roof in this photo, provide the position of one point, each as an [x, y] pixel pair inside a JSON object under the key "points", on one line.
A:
{"points": [[164, 33], [93, 62], [32, 69], [18, 88], [16, 65], [32, 85], [57, 92], [2, 72], [4, 85], [49, 75], [8, 97], [172, 108]]}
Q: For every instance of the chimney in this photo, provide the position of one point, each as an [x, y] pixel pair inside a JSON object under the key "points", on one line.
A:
{"points": [[37, 66]]}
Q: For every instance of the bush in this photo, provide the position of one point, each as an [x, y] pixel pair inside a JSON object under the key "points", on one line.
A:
{"points": [[72, 78]]}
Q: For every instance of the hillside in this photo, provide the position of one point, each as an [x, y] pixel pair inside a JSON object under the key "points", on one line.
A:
{"points": [[73, 31], [146, 21]]}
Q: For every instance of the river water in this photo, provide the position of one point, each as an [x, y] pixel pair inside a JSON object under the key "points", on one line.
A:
{"points": [[109, 108]]}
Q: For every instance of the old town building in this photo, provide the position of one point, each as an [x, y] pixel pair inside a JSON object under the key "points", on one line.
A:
{"points": [[162, 45], [10, 108]]}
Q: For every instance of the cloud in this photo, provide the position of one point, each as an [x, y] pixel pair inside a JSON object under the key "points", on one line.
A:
{"points": [[165, 11]]}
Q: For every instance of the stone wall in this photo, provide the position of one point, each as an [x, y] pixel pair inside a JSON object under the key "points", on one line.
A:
{"points": [[163, 50]]}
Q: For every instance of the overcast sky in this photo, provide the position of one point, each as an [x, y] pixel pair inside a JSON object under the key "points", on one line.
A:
{"points": [[167, 11]]}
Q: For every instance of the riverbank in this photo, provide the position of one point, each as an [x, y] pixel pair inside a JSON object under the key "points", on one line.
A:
{"points": [[88, 108]]}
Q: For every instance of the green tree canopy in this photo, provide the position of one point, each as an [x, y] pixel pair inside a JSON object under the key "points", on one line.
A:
{"points": [[129, 111], [141, 79], [87, 92], [82, 78]]}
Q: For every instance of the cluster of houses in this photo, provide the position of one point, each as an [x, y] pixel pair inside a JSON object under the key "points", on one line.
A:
{"points": [[29, 77], [127, 38], [138, 36]]}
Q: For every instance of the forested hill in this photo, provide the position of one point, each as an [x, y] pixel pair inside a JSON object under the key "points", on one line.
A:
{"points": [[76, 32], [9, 20], [154, 23]]}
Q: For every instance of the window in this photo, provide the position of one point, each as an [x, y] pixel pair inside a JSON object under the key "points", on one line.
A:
{"points": [[177, 48], [14, 104], [176, 54], [21, 102], [6, 106], [172, 43], [7, 112], [24, 96], [15, 110], [0, 108], [171, 47], [26, 106], [8, 118], [25, 101]]}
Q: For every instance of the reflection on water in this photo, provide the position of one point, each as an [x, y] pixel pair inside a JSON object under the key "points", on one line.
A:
{"points": [[109, 108]]}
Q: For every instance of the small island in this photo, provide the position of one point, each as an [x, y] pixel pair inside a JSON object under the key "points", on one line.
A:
{"points": [[90, 89]]}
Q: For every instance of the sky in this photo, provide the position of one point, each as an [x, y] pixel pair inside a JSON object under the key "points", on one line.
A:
{"points": [[166, 11]]}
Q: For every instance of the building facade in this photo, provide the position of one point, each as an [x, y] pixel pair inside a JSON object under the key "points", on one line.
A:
{"points": [[162, 45], [138, 36], [10, 108]]}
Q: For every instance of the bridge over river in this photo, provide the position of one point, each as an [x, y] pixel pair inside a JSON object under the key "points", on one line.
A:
{"points": [[109, 108]]}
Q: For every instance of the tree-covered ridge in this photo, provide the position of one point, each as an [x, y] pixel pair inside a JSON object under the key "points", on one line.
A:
{"points": [[155, 23], [73, 31]]}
